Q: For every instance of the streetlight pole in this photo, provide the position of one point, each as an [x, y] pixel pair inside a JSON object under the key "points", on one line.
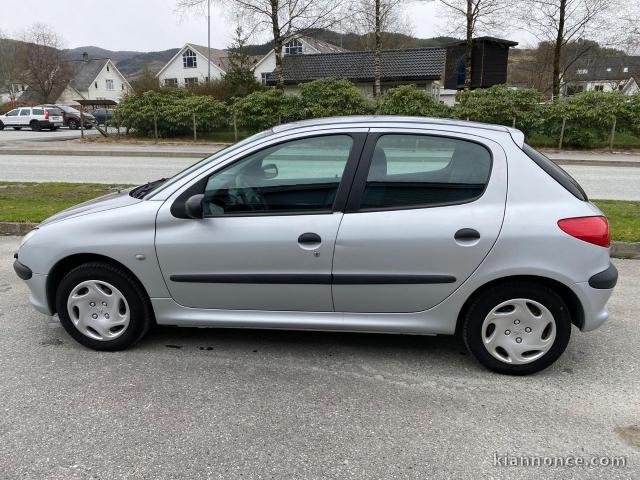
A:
{"points": [[209, 40]]}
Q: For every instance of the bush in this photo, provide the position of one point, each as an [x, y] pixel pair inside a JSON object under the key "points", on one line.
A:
{"points": [[261, 110], [174, 111], [501, 104], [408, 100], [589, 117], [330, 97]]}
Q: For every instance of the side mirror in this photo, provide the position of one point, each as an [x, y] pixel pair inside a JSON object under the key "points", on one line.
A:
{"points": [[193, 206], [270, 170]]}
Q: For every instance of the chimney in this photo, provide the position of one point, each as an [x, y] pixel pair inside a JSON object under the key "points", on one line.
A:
{"points": [[85, 57]]}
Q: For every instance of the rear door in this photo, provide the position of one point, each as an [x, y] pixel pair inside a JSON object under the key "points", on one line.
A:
{"points": [[24, 118], [424, 211]]}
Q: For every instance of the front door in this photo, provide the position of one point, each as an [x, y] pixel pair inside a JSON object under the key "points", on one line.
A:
{"points": [[267, 239], [424, 211]]}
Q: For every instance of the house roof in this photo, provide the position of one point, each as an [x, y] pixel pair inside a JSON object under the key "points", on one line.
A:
{"points": [[501, 41], [605, 69], [397, 65], [218, 57], [321, 46]]}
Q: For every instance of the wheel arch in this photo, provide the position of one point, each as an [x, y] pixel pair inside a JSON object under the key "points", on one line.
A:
{"points": [[66, 264], [576, 311]]}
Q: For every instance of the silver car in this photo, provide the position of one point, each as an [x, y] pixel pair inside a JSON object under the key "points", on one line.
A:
{"points": [[359, 224]]}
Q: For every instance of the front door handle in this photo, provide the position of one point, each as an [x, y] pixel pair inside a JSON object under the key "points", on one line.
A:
{"points": [[466, 235], [309, 238]]}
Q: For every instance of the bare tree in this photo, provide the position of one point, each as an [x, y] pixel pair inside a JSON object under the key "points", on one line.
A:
{"points": [[560, 22], [42, 63], [474, 16], [378, 17], [285, 19]]}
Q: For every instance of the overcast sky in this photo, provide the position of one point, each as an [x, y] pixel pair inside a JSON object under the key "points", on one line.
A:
{"points": [[150, 25]]}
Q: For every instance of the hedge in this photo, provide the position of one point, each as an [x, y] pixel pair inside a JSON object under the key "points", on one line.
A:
{"points": [[588, 116]]}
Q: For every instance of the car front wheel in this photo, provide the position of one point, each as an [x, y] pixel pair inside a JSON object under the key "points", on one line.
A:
{"points": [[103, 307], [72, 124], [517, 328]]}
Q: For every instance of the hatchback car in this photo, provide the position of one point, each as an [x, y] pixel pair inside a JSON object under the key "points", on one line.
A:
{"points": [[360, 224], [36, 118]]}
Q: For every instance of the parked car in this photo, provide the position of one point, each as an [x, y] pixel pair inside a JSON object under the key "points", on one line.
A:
{"points": [[71, 117], [103, 116], [35, 118], [359, 224]]}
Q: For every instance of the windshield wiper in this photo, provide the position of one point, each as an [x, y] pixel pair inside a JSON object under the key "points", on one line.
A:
{"points": [[142, 190]]}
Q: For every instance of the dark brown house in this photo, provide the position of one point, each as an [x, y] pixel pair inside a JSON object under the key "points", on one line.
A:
{"points": [[489, 59]]}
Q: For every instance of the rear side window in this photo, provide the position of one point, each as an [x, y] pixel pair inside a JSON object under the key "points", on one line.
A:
{"points": [[412, 171], [557, 173], [38, 111], [54, 111]]}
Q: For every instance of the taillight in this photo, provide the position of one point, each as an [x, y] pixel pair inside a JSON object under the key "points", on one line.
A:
{"points": [[594, 230], [46, 114]]}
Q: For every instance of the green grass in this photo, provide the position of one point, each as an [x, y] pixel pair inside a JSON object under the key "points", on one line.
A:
{"points": [[624, 219], [33, 202]]}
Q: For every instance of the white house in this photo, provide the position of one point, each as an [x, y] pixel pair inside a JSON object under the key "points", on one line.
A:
{"points": [[608, 74], [295, 46], [189, 66], [93, 79]]}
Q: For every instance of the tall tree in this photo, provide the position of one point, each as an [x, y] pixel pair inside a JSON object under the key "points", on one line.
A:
{"points": [[42, 63], [239, 77], [472, 17], [560, 22], [286, 19], [377, 17]]}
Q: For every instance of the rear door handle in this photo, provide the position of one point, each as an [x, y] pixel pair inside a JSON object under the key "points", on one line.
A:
{"points": [[466, 235], [309, 238]]}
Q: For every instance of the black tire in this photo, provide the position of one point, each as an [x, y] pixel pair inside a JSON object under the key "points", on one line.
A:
{"points": [[141, 313], [73, 125], [494, 296], [17, 128], [35, 126], [1, 126]]}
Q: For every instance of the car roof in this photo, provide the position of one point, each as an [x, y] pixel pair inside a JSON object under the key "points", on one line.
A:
{"points": [[393, 120]]}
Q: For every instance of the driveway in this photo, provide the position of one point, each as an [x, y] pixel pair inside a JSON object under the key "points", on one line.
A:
{"points": [[205, 403]]}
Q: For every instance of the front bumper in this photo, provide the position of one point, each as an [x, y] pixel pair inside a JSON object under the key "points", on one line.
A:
{"points": [[22, 270], [37, 284]]}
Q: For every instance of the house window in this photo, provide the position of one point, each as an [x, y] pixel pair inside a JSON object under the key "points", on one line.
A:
{"points": [[625, 69], [191, 81], [608, 69], [294, 47], [263, 77], [107, 68], [582, 71], [189, 59], [170, 82], [109, 83], [122, 86], [598, 88], [95, 84]]}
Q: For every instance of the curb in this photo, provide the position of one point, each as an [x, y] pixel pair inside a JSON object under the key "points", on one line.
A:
{"points": [[105, 153], [628, 250]]}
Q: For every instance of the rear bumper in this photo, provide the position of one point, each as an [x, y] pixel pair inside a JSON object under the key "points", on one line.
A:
{"points": [[594, 304], [606, 279]]}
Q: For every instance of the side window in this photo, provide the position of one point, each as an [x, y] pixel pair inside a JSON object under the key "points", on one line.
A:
{"points": [[420, 171], [13, 113], [25, 112], [295, 177], [38, 111]]}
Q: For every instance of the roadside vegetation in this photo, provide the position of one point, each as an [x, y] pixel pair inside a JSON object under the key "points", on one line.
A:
{"points": [[33, 202], [584, 120]]}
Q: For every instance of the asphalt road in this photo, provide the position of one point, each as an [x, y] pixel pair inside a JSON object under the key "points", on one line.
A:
{"points": [[224, 404], [616, 183]]}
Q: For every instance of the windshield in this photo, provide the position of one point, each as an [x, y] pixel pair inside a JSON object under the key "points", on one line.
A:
{"points": [[206, 160]]}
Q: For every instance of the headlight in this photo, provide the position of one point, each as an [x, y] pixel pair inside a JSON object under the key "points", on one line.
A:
{"points": [[26, 238]]}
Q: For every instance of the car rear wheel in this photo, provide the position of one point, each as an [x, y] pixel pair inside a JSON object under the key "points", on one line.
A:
{"points": [[35, 125], [517, 328], [17, 128], [1, 126], [103, 307]]}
